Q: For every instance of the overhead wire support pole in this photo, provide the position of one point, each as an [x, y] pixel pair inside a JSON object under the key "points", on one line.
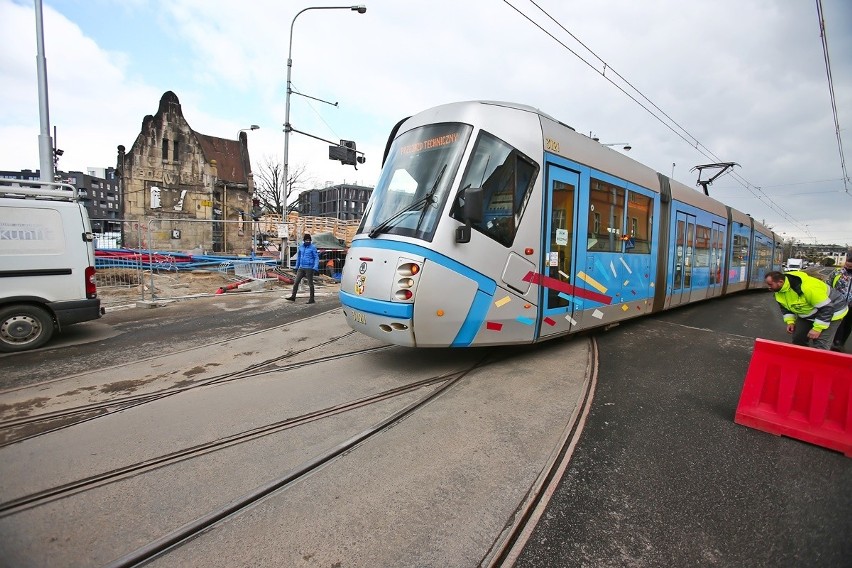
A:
{"points": [[45, 144]]}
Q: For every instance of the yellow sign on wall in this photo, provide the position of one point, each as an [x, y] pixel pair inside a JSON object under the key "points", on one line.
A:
{"points": [[206, 203]]}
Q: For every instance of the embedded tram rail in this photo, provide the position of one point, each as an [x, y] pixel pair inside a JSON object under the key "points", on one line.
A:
{"points": [[77, 486], [18, 429], [134, 483], [162, 545]]}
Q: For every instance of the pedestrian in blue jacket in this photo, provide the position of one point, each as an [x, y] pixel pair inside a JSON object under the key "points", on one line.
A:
{"points": [[307, 262]]}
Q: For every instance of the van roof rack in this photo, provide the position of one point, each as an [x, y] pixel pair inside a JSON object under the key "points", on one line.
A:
{"points": [[22, 189]]}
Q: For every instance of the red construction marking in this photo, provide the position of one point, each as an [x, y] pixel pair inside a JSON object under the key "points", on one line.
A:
{"points": [[130, 255], [549, 321], [493, 326], [560, 286], [799, 392]]}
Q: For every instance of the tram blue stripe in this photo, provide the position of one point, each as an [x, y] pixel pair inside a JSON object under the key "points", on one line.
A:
{"points": [[380, 307], [484, 283], [474, 319]]}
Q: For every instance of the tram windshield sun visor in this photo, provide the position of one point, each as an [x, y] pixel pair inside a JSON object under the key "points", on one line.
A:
{"points": [[416, 180]]}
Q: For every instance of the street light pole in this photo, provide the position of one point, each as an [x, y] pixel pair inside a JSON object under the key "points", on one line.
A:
{"points": [[287, 127]]}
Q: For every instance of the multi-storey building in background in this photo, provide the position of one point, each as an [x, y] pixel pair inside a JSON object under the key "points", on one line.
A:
{"points": [[343, 201], [98, 189]]}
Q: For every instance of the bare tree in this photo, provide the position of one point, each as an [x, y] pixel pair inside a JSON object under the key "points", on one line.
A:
{"points": [[269, 185]]}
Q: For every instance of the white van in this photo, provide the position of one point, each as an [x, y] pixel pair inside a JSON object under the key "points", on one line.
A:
{"points": [[47, 263]]}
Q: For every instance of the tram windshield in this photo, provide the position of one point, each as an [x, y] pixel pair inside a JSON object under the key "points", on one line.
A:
{"points": [[415, 181]]}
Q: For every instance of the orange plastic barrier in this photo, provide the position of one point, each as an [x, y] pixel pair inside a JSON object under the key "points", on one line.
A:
{"points": [[799, 392]]}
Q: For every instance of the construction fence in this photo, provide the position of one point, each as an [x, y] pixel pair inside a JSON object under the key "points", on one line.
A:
{"points": [[163, 258]]}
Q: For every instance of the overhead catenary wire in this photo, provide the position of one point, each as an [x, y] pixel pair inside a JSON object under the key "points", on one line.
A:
{"points": [[607, 71], [824, 41], [680, 131]]}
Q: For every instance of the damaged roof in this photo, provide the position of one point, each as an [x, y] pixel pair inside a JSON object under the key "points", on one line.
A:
{"points": [[228, 155]]}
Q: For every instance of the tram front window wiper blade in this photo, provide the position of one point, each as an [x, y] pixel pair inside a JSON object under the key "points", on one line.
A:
{"points": [[427, 199]]}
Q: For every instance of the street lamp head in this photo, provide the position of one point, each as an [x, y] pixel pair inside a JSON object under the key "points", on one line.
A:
{"points": [[624, 146], [254, 127], [359, 8]]}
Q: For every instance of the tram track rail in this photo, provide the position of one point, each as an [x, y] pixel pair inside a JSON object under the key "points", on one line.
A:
{"points": [[67, 489], [509, 545], [168, 353], [91, 485], [188, 531], [29, 427]]}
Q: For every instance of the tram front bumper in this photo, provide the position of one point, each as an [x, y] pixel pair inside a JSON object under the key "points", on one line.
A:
{"points": [[386, 321]]}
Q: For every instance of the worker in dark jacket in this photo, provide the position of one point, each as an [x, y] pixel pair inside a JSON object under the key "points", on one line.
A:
{"points": [[307, 263], [841, 280], [811, 308]]}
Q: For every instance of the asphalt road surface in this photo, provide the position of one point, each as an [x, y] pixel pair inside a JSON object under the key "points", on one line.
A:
{"points": [[132, 334], [663, 476]]}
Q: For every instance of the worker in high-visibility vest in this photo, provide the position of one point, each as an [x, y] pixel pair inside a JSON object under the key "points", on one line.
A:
{"points": [[811, 308]]}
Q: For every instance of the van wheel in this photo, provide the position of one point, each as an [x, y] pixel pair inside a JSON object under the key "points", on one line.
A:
{"points": [[24, 327]]}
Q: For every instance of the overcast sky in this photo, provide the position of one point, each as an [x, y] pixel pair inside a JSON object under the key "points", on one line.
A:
{"points": [[745, 80]]}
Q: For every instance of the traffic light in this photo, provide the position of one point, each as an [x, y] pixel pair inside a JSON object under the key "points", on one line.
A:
{"points": [[346, 153]]}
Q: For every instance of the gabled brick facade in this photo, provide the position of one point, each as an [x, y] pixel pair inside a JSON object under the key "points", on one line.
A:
{"points": [[174, 175]]}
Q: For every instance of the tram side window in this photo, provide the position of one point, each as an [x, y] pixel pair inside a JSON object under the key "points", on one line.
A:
{"points": [[640, 224], [739, 256], [506, 177], [779, 254], [764, 256], [702, 246], [606, 217]]}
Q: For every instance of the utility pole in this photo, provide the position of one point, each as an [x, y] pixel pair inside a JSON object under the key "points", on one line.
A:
{"points": [[45, 144]]}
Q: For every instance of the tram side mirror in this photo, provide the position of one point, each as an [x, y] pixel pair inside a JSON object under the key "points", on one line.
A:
{"points": [[463, 234], [471, 208]]}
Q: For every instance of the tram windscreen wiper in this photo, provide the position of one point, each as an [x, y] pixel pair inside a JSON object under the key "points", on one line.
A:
{"points": [[422, 202]]}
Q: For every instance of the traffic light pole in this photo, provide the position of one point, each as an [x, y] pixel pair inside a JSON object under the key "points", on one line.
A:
{"points": [[287, 126]]}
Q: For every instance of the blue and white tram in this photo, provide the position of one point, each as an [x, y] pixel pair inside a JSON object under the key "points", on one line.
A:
{"points": [[493, 223]]}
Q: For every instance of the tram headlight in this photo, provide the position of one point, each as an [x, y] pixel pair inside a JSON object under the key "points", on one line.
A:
{"points": [[405, 285], [408, 269]]}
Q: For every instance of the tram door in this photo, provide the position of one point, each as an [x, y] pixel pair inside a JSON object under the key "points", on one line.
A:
{"points": [[717, 249], [558, 246], [683, 259]]}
